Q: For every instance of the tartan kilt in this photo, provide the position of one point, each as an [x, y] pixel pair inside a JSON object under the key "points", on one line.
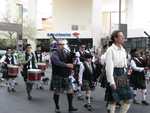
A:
{"points": [[138, 81], [87, 85], [123, 91], [60, 84]]}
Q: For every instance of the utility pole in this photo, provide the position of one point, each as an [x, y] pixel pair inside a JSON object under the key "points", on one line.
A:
{"points": [[120, 14], [19, 36]]}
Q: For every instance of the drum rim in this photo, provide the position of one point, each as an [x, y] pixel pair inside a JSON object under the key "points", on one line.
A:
{"points": [[12, 66], [35, 71], [41, 63]]}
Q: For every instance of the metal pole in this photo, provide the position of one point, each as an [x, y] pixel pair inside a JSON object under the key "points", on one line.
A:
{"points": [[19, 35], [119, 14], [110, 23]]}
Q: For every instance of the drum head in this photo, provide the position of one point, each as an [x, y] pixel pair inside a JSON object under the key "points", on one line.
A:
{"points": [[12, 66], [34, 70], [41, 63]]}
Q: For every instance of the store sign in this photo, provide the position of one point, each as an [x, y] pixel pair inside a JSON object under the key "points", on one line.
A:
{"points": [[60, 34]]}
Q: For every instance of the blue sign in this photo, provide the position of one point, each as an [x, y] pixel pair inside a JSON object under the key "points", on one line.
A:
{"points": [[60, 34]]}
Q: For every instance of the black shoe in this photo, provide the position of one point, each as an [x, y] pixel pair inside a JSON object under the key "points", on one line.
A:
{"points": [[16, 83], [29, 97], [90, 108], [135, 102], [145, 103], [13, 90], [8, 89], [41, 88], [108, 111], [118, 106], [72, 109], [85, 105], [57, 111]]}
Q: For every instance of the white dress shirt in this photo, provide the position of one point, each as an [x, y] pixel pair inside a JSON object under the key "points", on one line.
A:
{"points": [[4, 58], [135, 67], [103, 58], [116, 57], [81, 67]]}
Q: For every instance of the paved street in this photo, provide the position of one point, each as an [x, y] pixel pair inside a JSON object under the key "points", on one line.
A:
{"points": [[42, 101]]}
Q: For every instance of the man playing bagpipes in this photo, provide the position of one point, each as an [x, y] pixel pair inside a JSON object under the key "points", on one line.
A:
{"points": [[61, 70], [89, 79]]}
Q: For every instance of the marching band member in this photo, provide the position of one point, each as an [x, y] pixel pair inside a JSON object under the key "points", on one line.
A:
{"points": [[8, 58], [38, 54], [29, 63], [118, 89], [60, 76], [88, 79], [138, 80], [79, 60]]}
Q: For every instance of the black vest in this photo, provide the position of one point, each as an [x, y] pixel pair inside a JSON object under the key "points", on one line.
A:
{"points": [[59, 70], [27, 65], [87, 74], [9, 61], [82, 58], [138, 64], [38, 56]]}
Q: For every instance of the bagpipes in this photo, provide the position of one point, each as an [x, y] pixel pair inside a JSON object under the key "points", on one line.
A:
{"points": [[70, 53]]}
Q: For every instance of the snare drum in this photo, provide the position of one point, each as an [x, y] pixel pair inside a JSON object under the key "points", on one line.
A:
{"points": [[42, 66], [34, 75], [12, 70]]}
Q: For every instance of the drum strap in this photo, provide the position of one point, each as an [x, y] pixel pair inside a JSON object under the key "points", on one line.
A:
{"points": [[9, 59], [39, 59], [31, 61]]}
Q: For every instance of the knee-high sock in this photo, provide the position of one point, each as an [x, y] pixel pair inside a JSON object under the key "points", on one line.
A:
{"points": [[112, 108], [108, 106], [124, 108], [144, 91], [135, 94], [13, 83], [70, 99], [79, 91], [56, 100], [88, 97]]}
